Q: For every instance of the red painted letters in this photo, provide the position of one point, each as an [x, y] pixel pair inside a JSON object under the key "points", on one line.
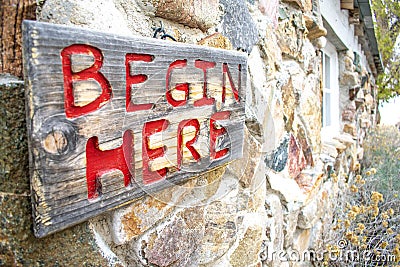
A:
{"points": [[180, 87], [204, 65], [149, 154], [91, 73], [189, 144], [135, 79], [99, 162], [217, 131], [225, 71]]}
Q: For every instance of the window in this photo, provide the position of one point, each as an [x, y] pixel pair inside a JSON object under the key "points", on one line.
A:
{"points": [[326, 107], [330, 101]]}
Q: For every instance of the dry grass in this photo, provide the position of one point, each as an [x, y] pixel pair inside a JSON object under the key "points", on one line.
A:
{"points": [[366, 226]]}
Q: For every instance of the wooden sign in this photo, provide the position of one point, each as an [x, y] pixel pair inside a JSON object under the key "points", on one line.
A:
{"points": [[112, 118]]}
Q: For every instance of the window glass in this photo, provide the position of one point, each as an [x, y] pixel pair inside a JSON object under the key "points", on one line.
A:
{"points": [[327, 71]]}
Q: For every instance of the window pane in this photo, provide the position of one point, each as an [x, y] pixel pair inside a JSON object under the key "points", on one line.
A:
{"points": [[327, 71], [327, 109]]}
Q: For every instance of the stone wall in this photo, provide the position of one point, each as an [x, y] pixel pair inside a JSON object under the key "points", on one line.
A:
{"points": [[279, 197]]}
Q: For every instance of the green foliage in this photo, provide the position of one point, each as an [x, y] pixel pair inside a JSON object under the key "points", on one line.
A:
{"points": [[382, 151], [387, 30]]}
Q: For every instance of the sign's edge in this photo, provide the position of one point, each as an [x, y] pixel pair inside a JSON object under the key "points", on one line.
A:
{"points": [[40, 228], [41, 232], [34, 23], [27, 68]]}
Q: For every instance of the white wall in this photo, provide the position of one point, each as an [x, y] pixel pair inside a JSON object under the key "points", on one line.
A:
{"points": [[339, 21]]}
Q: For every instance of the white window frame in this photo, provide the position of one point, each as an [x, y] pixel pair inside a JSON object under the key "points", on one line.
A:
{"points": [[330, 99]]}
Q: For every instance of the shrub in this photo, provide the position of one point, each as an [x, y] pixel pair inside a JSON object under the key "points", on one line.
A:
{"points": [[382, 151], [366, 225]]}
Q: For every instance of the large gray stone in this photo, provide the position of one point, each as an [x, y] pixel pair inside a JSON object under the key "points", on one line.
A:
{"points": [[177, 243], [238, 25], [277, 159], [86, 14]]}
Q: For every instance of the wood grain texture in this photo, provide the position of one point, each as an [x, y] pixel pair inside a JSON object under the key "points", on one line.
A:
{"points": [[347, 4], [58, 156], [13, 12]]}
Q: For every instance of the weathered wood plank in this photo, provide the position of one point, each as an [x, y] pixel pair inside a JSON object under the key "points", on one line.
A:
{"points": [[12, 12], [111, 118], [347, 4]]}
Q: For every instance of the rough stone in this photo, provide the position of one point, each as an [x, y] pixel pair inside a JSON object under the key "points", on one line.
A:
{"points": [[349, 114], [140, 217], [133, 220], [304, 144], [266, 107], [369, 101], [18, 246], [350, 53], [308, 215], [305, 5], [247, 252], [346, 139], [296, 159], [177, 243], [309, 112], [270, 9], [291, 34], [348, 64], [290, 223], [301, 240], [316, 238], [202, 14], [238, 25], [340, 147], [216, 40], [309, 183], [365, 123], [350, 129], [220, 231], [75, 12], [329, 149], [293, 70], [256, 193], [246, 167], [349, 79], [278, 158], [328, 203], [274, 230], [270, 53], [14, 173], [320, 42], [290, 101], [288, 187], [258, 96], [359, 102], [210, 187], [315, 30]]}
